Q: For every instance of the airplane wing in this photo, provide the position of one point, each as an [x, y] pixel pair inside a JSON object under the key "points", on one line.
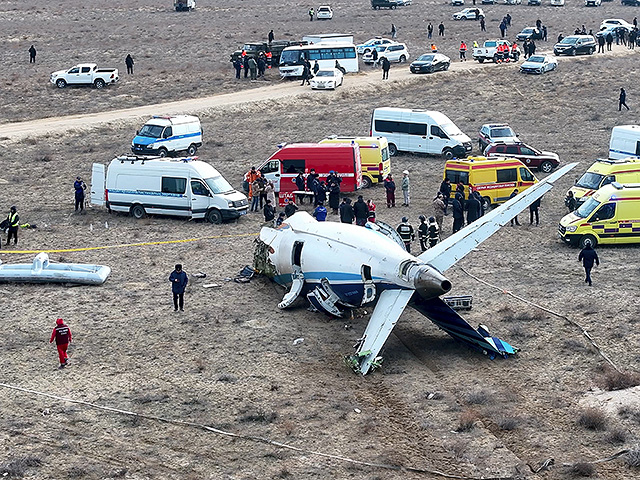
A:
{"points": [[448, 252], [390, 306]]}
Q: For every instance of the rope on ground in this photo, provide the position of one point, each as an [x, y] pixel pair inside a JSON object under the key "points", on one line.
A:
{"points": [[572, 322], [140, 244], [249, 437]]}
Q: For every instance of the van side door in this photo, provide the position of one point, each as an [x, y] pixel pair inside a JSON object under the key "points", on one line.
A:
{"points": [[290, 170], [166, 141], [526, 178], [173, 199], [603, 223], [200, 198], [271, 171], [438, 140]]}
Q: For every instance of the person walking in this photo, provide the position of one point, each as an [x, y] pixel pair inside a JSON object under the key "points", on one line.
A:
{"points": [[79, 186], [463, 51], [533, 210], [32, 54], [306, 73], [405, 230], [622, 102], [13, 219], [62, 335], [129, 63], [570, 202], [429, 31], [269, 211], [316, 67], [588, 256], [439, 209], [271, 36], [374, 57], [320, 212], [441, 30], [394, 32], [346, 211], [311, 14], [458, 213], [514, 220], [385, 68], [361, 211], [445, 189], [423, 233], [406, 188], [483, 25], [179, 280], [390, 188], [503, 29]]}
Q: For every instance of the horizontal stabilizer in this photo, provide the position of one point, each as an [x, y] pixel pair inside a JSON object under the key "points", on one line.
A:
{"points": [[448, 320]]}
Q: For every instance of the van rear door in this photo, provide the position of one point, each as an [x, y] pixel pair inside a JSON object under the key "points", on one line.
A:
{"points": [[97, 184]]}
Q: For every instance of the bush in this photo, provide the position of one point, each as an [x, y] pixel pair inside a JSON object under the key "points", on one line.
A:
{"points": [[583, 469], [632, 457], [478, 397], [617, 435], [613, 380], [593, 419], [508, 423], [17, 468], [467, 421]]}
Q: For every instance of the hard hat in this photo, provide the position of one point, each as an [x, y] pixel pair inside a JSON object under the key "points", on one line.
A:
{"points": [[406, 172]]}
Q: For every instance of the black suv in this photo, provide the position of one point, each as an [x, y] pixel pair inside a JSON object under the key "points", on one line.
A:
{"points": [[378, 4], [575, 44]]}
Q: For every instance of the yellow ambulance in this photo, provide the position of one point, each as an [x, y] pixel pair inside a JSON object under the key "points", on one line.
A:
{"points": [[611, 215], [495, 178], [374, 156], [603, 172]]}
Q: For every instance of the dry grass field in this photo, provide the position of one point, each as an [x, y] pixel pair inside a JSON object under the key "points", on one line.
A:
{"points": [[229, 360]]}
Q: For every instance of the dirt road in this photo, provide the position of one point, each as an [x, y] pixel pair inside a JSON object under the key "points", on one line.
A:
{"points": [[367, 79]]}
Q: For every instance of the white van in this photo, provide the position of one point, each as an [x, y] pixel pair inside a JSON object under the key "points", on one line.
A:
{"points": [[557, 3], [625, 142], [163, 135], [181, 187], [420, 131]]}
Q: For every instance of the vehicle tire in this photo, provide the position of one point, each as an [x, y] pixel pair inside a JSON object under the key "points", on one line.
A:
{"points": [[402, 59], [366, 182], [214, 216], [495, 58], [61, 83], [447, 153], [463, 18], [592, 50], [191, 151], [486, 203], [573, 52], [546, 167], [481, 60], [446, 66], [163, 152], [138, 212], [99, 83], [584, 238], [393, 150]]}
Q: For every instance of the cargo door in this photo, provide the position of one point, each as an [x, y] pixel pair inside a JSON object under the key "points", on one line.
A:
{"points": [[97, 184]]}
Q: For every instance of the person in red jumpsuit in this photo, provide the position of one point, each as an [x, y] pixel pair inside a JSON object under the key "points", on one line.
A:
{"points": [[62, 335]]}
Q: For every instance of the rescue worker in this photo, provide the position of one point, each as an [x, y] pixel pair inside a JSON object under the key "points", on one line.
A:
{"points": [[62, 335], [390, 188], [129, 63], [514, 220], [79, 187], [361, 211], [320, 213], [372, 211], [346, 211], [14, 223], [458, 212], [253, 68], [179, 281], [423, 233], [311, 14], [514, 51], [434, 232], [570, 201], [405, 230], [463, 51], [588, 256], [473, 209], [475, 44], [32, 54], [445, 189], [300, 186], [334, 196], [406, 188], [434, 49], [439, 209], [269, 58], [251, 176], [290, 207], [385, 68], [533, 210], [269, 211]]}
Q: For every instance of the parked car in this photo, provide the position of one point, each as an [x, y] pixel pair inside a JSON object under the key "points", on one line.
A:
{"points": [[529, 32], [512, 2], [496, 132], [489, 49], [575, 44], [633, 3], [327, 79], [394, 52], [366, 47], [489, 2], [184, 5], [616, 22], [85, 74], [324, 12], [457, 2], [469, 14], [556, 3], [539, 64], [531, 157], [534, 2], [592, 3], [430, 62], [378, 4]]}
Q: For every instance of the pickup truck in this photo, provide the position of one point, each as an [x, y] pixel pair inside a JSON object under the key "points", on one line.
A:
{"points": [[489, 49], [85, 74], [253, 49]]}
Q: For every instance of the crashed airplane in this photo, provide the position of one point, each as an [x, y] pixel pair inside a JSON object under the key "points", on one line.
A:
{"points": [[340, 266]]}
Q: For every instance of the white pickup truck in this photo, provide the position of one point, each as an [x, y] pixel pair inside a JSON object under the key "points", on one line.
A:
{"points": [[85, 74], [488, 51]]}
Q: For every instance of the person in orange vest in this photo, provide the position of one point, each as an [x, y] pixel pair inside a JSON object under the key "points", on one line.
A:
{"points": [[62, 335], [243, 53], [434, 49], [251, 176], [514, 51], [499, 53], [463, 51], [269, 57]]}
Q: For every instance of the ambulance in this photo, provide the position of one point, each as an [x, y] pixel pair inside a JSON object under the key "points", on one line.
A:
{"points": [[374, 157], [603, 172], [494, 177], [609, 216], [284, 165]]}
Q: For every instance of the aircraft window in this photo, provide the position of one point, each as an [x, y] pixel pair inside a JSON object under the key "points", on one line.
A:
{"points": [[526, 175], [297, 253], [507, 175], [605, 212], [293, 166]]}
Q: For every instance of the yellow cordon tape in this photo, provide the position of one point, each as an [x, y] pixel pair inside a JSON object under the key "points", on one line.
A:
{"points": [[142, 244]]}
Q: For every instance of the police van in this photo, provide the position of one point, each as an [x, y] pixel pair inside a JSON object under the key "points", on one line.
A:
{"points": [[162, 135], [609, 216], [374, 157], [625, 142], [495, 178], [181, 187], [604, 172]]}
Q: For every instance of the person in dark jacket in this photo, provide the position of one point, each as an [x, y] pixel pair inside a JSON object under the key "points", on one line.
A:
{"points": [[290, 208], [570, 201], [245, 65], [334, 197], [312, 181], [473, 209], [609, 39], [346, 211], [385, 68], [445, 189], [306, 73], [405, 230], [423, 233], [179, 280], [62, 335], [390, 188], [271, 36], [79, 187], [374, 57], [434, 232], [514, 220], [32, 54], [361, 211], [622, 100], [321, 193], [269, 211], [262, 66], [237, 64], [458, 213], [316, 67], [300, 186], [533, 210], [480, 200], [129, 63], [588, 256], [281, 218]]}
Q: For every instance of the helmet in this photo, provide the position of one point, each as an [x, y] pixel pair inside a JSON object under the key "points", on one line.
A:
{"points": [[422, 218], [405, 219], [432, 220]]}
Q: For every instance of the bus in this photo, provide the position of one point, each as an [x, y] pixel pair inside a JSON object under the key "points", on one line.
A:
{"points": [[325, 54]]}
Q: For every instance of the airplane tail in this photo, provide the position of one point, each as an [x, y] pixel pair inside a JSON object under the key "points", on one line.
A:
{"points": [[448, 320]]}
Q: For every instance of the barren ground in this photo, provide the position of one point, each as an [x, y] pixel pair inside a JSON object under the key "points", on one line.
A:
{"points": [[229, 360]]}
